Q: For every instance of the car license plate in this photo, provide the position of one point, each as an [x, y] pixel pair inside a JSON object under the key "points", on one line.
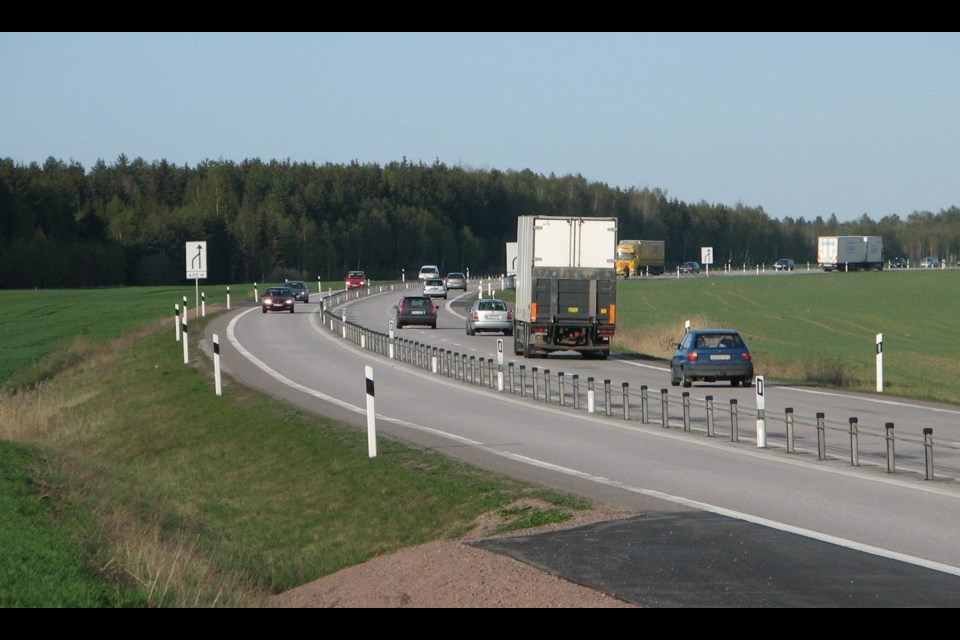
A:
{"points": [[720, 356], [417, 313], [494, 316]]}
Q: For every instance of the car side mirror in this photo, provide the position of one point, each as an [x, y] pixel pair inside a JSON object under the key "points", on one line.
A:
{"points": [[675, 346]]}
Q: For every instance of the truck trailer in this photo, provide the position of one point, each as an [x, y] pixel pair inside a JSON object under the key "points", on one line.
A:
{"points": [[639, 257], [850, 253], [566, 286]]}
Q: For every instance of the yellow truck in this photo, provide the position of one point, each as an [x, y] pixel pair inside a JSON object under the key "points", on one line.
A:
{"points": [[640, 257]]}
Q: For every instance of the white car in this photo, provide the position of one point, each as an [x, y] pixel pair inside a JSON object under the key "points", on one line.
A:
{"points": [[428, 271], [930, 262]]}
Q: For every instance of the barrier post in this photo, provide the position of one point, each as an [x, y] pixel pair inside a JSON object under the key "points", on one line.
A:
{"points": [[821, 437], [711, 426], [626, 400], [790, 436], [576, 391], [644, 405], [591, 399], [686, 410], [854, 442], [664, 409], [928, 452], [891, 464], [734, 421]]}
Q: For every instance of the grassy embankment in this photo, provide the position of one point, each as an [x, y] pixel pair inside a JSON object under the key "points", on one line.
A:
{"points": [[160, 493], [817, 329]]}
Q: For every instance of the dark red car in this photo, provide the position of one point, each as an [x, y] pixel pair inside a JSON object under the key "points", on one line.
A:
{"points": [[416, 310], [355, 280], [278, 299]]}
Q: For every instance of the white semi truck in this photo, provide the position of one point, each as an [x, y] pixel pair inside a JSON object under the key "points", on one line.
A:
{"points": [[566, 285], [850, 253]]}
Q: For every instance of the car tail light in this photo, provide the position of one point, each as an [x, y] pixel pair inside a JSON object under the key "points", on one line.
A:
{"points": [[509, 315], [476, 315], [746, 356], [693, 356]]}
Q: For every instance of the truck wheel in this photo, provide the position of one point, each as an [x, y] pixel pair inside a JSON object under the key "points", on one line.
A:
{"points": [[527, 351], [734, 382]]}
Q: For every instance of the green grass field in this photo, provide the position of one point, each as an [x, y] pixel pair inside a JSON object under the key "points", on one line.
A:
{"points": [[815, 328]]}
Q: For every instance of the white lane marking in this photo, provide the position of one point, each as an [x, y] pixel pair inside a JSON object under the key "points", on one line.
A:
{"points": [[815, 535]]}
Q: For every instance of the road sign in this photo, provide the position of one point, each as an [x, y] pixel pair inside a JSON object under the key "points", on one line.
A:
{"points": [[706, 255], [196, 260]]}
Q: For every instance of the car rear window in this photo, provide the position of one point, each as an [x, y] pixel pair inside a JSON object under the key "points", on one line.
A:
{"points": [[719, 341], [417, 303], [494, 305]]}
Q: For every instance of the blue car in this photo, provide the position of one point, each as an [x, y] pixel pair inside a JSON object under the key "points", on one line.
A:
{"points": [[711, 355]]}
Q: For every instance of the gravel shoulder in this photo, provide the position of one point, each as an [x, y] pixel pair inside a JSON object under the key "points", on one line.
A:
{"points": [[454, 574]]}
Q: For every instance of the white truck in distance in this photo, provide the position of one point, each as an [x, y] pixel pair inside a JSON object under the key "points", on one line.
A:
{"points": [[850, 253], [566, 285]]}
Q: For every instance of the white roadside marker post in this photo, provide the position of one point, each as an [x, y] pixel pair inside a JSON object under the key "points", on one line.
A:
{"points": [[371, 415], [761, 418], [879, 363], [216, 365]]}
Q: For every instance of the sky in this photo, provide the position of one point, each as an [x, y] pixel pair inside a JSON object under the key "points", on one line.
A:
{"points": [[800, 124]]}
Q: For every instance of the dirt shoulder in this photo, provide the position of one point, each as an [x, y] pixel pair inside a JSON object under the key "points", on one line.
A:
{"points": [[454, 574]]}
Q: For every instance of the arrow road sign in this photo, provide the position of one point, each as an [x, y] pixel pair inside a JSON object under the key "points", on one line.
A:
{"points": [[196, 260]]}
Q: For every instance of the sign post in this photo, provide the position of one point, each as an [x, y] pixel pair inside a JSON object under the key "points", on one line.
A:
{"points": [[196, 264], [706, 257]]}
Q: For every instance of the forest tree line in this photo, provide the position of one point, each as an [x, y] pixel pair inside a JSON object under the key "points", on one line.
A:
{"points": [[62, 226]]}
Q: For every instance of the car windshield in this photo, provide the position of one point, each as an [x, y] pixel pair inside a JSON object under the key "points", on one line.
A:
{"points": [[719, 341], [278, 292], [295, 284], [356, 274]]}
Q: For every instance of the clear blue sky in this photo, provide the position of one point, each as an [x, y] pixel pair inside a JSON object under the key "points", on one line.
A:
{"points": [[802, 124]]}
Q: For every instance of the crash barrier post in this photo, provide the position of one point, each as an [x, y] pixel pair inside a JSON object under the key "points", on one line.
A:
{"points": [[591, 399], [546, 385], [664, 408], [711, 427], [510, 375], [576, 391], [928, 451], [561, 389], [626, 400], [734, 421], [790, 437], [821, 437], [536, 383], [854, 442], [644, 405], [891, 464], [523, 382], [686, 410], [473, 369], [606, 397]]}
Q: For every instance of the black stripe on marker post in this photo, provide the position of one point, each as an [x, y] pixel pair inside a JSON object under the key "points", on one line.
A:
{"points": [[370, 387], [216, 347]]}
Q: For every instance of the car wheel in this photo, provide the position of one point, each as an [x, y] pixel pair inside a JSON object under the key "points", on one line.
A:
{"points": [[306, 300], [687, 382], [674, 379], [291, 309], [433, 326], [746, 382], [734, 382], [264, 309]]}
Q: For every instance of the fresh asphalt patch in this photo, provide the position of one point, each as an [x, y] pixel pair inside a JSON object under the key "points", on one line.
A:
{"points": [[701, 559]]}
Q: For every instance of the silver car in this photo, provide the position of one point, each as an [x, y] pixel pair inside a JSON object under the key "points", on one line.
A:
{"points": [[434, 288], [490, 315], [455, 280]]}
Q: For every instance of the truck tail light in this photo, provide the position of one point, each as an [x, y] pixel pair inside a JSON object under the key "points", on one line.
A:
{"points": [[613, 314], [533, 312], [607, 330]]}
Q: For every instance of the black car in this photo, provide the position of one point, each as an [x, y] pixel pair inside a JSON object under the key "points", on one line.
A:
{"points": [[418, 310], [898, 263], [711, 355], [300, 291], [690, 267], [278, 299]]}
